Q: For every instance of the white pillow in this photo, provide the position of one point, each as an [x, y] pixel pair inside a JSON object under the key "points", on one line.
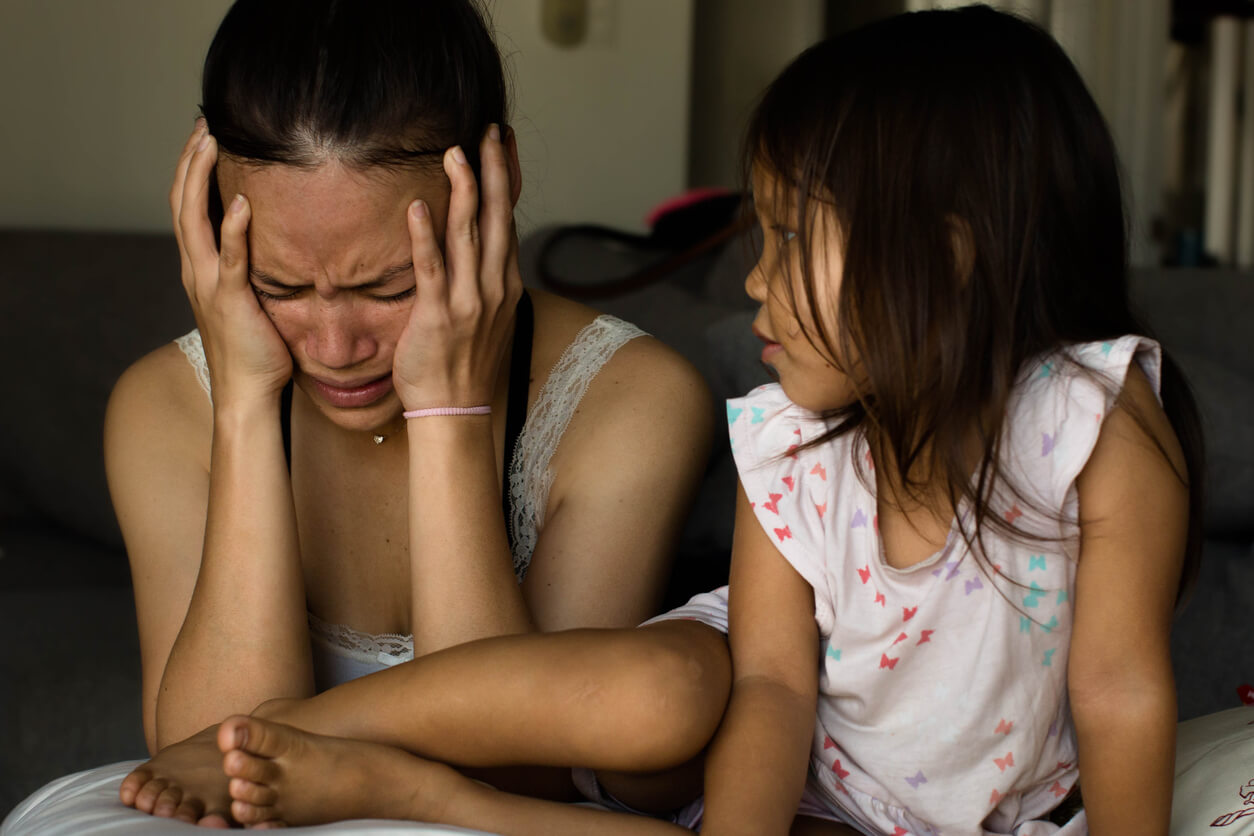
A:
{"points": [[1214, 792]]}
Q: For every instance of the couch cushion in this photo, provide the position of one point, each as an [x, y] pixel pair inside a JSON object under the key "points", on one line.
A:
{"points": [[80, 307]]}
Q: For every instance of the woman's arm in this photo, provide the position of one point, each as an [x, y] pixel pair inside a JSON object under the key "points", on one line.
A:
{"points": [[210, 532], [770, 718], [624, 473], [1133, 519]]}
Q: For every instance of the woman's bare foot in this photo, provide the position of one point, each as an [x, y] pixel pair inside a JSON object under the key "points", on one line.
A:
{"points": [[184, 781], [282, 775]]}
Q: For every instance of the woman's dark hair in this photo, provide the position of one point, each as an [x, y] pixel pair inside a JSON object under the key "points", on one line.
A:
{"points": [[389, 83], [976, 188]]}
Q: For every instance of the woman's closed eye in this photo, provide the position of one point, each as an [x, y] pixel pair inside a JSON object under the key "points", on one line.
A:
{"points": [[390, 298]]}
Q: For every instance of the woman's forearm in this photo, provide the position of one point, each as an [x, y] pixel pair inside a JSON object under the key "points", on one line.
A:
{"points": [[461, 571], [245, 637]]}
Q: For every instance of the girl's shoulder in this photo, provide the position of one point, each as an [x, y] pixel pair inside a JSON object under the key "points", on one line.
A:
{"points": [[1060, 405]]}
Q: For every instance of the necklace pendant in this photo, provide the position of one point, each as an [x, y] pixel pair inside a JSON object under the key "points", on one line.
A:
{"points": [[379, 439]]}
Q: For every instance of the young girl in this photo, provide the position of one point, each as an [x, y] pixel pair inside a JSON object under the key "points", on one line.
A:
{"points": [[966, 507]]}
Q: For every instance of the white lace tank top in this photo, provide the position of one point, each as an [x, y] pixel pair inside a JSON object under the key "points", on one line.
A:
{"points": [[341, 653]]}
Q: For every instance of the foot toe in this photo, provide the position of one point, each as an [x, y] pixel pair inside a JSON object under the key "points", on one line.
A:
{"points": [[215, 819], [240, 764], [253, 814], [148, 794], [253, 793], [167, 802], [132, 784]]}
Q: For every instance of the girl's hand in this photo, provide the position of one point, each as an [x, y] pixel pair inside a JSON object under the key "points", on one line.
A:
{"points": [[452, 347], [247, 357]]}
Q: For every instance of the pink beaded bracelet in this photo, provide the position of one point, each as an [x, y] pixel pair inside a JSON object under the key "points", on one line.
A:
{"points": [[448, 410]]}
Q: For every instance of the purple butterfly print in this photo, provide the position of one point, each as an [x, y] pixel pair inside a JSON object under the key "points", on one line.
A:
{"points": [[972, 585], [1047, 443], [859, 519], [916, 779]]}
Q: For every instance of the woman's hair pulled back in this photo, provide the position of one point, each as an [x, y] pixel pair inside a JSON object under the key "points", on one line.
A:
{"points": [[389, 83], [976, 187]]}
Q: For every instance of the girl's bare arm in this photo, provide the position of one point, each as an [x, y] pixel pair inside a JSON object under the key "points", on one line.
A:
{"points": [[1133, 517], [770, 718]]}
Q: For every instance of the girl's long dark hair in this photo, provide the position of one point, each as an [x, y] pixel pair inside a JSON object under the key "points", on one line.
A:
{"points": [[366, 82], [977, 190]]}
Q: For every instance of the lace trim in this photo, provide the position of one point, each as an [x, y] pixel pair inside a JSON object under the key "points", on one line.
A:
{"points": [[387, 648], [194, 350], [529, 475]]}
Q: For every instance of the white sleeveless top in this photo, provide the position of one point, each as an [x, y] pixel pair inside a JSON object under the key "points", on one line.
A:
{"points": [[341, 653]]}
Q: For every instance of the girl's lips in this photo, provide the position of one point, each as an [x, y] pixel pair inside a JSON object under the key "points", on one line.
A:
{"points": [[770, 350], [356, 396]]}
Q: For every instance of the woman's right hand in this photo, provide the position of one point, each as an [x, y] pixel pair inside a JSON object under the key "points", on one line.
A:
{"points": [[247, 357]]}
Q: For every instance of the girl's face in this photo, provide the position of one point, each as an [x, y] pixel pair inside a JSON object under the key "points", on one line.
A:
{"points": [[794, 349], [330, 261]]}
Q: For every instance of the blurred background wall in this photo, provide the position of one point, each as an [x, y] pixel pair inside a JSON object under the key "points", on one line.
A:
{"points": [[648, 99]]}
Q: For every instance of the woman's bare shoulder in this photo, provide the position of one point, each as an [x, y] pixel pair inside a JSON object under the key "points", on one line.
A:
{"points": [[643, 379], [642, 360], [159, 397]]}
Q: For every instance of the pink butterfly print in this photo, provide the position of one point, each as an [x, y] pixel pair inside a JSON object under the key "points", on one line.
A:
{"points": [[901, 831], [880, 599], [773, 505], [870, 462], [1013, 514], [995, 798], [865, 573], [822, 509], [791, 452], [925, 637], [790, 482], [907, 613], [828, 743], [820, 471], [840, 771], [1003, 727], [899, 639], [1002, 763], [886, 662], [784, 533], [1058, 790]]}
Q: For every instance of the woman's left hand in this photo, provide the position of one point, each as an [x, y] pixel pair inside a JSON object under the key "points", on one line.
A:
{"points": [[451, 350]]}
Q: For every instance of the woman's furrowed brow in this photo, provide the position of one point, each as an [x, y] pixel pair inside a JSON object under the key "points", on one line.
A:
{"points": [[262, 277]]}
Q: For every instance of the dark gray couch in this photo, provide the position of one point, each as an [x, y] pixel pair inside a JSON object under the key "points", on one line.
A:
{"points": [[77, 308]]}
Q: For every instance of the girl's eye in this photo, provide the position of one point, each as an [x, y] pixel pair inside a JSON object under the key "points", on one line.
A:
{"points": [[397, 298], [785, 234]]}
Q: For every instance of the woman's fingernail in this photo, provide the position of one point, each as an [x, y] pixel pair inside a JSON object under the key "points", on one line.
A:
{"points": [[237, 205], [204, 142], [459, 155], [494, 131], [419, 208]]}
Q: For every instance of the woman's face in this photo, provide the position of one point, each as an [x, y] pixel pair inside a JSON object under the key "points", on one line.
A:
{"points": [[330, 261]]}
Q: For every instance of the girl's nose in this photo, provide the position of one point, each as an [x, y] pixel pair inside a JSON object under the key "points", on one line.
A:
{"points": [[755, 282]]}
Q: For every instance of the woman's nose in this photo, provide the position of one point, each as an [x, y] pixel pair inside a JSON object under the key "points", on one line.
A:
{"points": [[335, 339]]}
